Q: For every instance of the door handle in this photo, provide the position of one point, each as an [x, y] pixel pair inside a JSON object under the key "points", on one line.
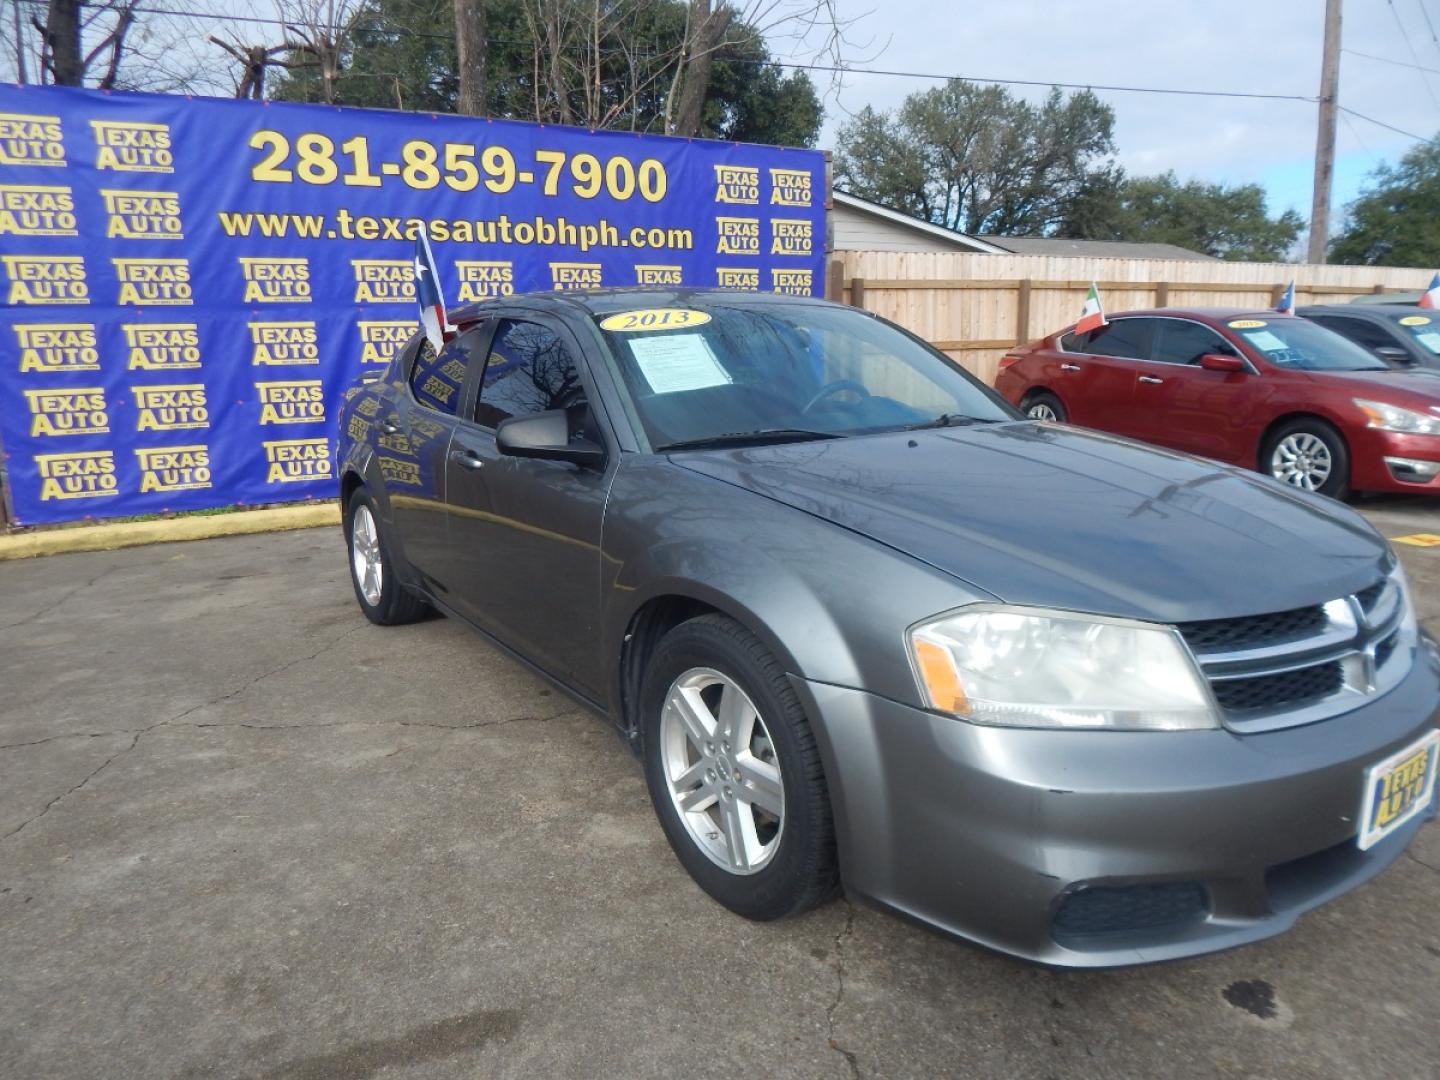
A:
{"points": [[389, 426], [1069, 367], [466, 460], [1151, 380]]}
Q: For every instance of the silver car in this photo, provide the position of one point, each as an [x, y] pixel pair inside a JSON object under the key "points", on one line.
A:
{"points": [[868, 628]]}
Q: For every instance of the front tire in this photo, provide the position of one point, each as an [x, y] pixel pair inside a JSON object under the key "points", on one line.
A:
{"points": [[1309, 454], [734, 773], [1043, 405], [381, 596]]}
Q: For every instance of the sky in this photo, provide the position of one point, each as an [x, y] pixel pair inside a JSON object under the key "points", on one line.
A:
{"points": [[1261, 46]]}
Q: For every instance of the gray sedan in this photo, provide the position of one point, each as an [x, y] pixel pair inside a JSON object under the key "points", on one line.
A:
{"points": [[869, 629]]}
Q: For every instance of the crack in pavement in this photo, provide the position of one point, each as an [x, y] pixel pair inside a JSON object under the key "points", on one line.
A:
{"points": [[89, 776], [73, 735], [138, 734], [849, 1055], [58, 603], [1416, 858], [173, 722], [178, 721]]}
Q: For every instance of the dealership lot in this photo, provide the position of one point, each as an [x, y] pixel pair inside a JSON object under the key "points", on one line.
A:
{"points": [[245, 833]]}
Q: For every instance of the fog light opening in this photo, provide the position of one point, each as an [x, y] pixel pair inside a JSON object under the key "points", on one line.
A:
{"points": [[1412, 470]]}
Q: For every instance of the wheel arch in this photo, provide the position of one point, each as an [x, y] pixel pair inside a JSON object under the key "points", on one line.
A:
{"points": [[1040, 388], [667, 606], [1284, 418], [350, 482]]}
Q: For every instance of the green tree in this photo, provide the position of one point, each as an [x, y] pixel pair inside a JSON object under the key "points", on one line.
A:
{"points": [[1396, 219], [1227, 221], [978, 158], [402, 54]]}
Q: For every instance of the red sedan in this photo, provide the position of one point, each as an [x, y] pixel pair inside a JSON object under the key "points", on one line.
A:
{"points": [[1252, 388]]}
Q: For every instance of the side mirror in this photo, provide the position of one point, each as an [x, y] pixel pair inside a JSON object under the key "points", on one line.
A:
{"points": [[1221, 362], [1394, 354], [546, 436]]}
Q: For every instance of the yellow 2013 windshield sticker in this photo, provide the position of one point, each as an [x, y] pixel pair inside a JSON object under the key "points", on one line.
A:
{"points": [[1246, 324], [1414, 320], [653, 319]]}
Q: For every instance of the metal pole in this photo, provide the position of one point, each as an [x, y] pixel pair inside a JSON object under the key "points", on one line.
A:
{"points": [[1325, 137]]}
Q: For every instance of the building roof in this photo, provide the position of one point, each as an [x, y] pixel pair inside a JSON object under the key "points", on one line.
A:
{"points": [[936, 236], [1105, 249]]}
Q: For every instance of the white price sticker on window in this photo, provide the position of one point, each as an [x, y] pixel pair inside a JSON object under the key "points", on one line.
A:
{"points": [[674, 363], [1265, 341]]}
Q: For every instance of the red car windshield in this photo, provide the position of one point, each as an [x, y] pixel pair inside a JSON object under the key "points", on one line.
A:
{"points": [[1301, 345]]}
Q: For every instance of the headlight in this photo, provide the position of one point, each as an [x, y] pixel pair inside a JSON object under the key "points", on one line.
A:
{"points": [[1393, 418], [1022, 667]]}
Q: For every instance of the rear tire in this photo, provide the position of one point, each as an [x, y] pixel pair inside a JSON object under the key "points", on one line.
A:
{"points": [[1043, 405], [726, 737], [1307, 453], [382, 598]]}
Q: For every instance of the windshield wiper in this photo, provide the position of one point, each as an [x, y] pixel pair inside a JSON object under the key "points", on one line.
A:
{"points": [[949, 420], [760, 435]]}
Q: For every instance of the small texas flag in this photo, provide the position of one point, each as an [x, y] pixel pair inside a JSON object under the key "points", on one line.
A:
{"points": [[427, 292], [1431, 297], [1286, 306], [1092, 315]]}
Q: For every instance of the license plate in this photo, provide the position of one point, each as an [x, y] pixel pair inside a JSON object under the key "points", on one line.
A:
{"points": [[1397, 789]]}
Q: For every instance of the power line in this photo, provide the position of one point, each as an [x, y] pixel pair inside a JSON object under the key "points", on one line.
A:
{"points": [[833, 68], [1383, 124], [1429, 25], [1389, 60], [1411, 47], [1354, 133]]}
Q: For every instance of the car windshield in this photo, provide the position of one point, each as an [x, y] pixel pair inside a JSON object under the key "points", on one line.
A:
{"points": [[1301, 345], [716, 372], [1425, 329]]}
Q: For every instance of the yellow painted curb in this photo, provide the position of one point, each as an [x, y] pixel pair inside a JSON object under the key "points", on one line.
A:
{"points": [[166, 530]]}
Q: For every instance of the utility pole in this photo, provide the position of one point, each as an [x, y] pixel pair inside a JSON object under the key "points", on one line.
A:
{"points": [[1325, 137]]}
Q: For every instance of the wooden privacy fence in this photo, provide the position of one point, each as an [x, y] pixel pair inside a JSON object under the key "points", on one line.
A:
{"points": [[976, 306]]}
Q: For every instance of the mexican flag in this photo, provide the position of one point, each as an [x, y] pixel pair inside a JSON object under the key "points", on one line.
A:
{"points": [[1092, 315]]}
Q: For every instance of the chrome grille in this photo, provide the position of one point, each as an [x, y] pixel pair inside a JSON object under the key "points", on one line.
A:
{"points": [[1281, 689], [1252, 630], [1296, 666]]}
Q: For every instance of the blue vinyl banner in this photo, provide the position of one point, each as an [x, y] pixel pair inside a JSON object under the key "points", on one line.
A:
{"points": [[190, 283]]}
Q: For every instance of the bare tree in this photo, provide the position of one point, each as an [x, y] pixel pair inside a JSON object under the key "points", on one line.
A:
{"points": [[470, 50], [21, 75], [320, 32], [63, 58], [255, 60], [708, 24]]}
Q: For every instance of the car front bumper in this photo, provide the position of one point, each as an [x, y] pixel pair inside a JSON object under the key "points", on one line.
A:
{"points": [[985, 832], [1392, 461]]}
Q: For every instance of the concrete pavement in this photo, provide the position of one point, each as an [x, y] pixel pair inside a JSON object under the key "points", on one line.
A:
{"points": [[245, 833]]}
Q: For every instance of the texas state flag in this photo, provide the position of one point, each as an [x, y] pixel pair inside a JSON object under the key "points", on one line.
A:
{"points": [[1286, 306], [427, 293], [1431, 299]]}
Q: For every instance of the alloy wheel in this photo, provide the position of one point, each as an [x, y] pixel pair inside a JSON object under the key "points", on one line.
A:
{"points": [[1041, 411], [365, 555], [1302, 460], [721, 770]]}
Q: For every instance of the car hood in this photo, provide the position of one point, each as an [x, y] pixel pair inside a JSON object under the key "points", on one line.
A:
{"points": [[1410, 389], [1054, 516]]}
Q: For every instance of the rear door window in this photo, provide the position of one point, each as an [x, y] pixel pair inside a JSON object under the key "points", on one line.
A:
{"points": [[1124, 338], [436, 379], [1180, 341]]}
